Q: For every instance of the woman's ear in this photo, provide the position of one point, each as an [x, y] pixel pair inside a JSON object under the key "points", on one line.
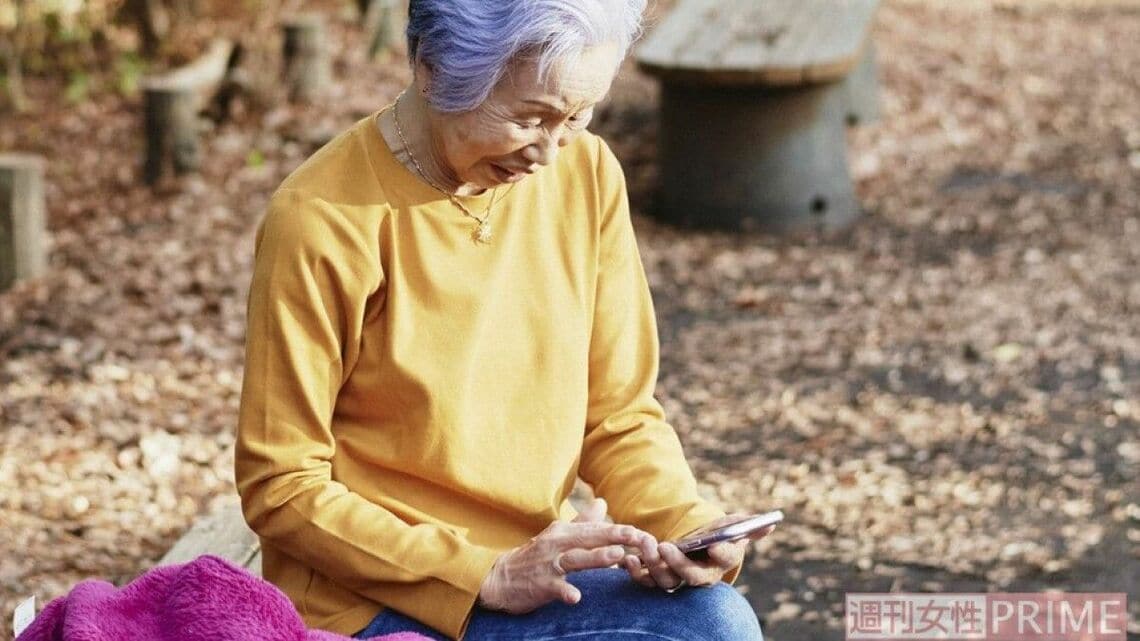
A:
{"points": [[423, 77]]}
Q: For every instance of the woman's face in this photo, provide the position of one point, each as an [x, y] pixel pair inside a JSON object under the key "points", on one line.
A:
{"points": [[521, 125]]}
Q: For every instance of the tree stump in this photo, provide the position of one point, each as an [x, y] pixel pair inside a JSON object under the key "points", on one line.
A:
{"points": [[308, 69], [172, 102], [384, 25], [23, 251], [11, 52], [171, 131]]}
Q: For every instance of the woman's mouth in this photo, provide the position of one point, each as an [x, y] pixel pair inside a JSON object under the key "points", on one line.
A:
{"points": [[507, 175]]}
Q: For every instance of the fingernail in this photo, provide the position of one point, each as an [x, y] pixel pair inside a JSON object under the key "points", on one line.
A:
{"points": [[651, 544]]}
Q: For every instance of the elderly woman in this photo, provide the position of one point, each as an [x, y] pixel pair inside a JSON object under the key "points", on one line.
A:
{"points": [[449, 324]]}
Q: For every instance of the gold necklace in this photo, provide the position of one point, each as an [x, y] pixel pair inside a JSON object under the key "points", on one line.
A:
{"points": [[483, 233]]}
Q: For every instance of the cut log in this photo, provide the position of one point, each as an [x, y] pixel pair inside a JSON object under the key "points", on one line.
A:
{"points": [[172, 102], [152, 21], [23, 252], [10, 56], [171, 132], [384, 23], [16, 42], [308, 69]]}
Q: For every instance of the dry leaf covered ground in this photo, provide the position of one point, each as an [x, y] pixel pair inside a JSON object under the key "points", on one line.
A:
{"points": [[945, 397]]}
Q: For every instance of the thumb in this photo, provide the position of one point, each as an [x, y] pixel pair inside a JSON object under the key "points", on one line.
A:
{"points": [[569, 594], [595, 512]]}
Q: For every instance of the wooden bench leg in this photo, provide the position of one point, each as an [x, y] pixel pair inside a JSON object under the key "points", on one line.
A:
{"points": [[754, 158], [23, 241]]}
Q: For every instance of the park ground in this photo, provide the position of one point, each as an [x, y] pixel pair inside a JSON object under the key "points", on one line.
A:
{"points": [[944, 397]]}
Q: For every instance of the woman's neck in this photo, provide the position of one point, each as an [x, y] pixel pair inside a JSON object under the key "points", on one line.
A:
{"points": [[419, 154]]}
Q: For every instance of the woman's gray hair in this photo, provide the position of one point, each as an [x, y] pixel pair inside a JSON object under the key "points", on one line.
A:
{"points": [[469, 44]]}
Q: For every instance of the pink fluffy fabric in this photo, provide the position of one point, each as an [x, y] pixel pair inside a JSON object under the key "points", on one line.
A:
{"points": [[208, 599]]}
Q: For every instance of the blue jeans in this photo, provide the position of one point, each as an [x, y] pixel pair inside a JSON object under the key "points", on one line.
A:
{"points": [[613, 608]]}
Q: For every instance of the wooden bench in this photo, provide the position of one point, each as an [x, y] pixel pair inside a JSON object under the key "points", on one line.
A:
{"points": [[222, 533], [755, 99]]}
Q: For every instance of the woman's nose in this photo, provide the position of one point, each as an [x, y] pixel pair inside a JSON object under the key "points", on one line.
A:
{"points": [[542, 152], [545, 149]]}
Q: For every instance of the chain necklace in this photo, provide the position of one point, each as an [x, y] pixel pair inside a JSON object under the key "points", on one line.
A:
{"points": [[483, 233]]}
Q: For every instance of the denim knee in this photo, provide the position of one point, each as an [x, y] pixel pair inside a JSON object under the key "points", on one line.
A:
{"points": [[726, 615]]}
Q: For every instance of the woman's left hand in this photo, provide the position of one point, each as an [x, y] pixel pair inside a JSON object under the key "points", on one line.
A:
{"points": [[672, 569]]}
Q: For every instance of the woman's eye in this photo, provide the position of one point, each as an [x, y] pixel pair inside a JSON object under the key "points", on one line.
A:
{"points": [[529, 123], [580, 118]]}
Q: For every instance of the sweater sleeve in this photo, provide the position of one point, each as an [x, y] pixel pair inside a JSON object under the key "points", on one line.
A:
{"points": [[316, 274], [631, 455]]}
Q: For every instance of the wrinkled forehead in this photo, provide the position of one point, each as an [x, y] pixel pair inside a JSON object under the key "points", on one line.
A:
{"points": [[573, 82]]}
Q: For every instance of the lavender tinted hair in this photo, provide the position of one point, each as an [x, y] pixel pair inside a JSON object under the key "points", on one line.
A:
{"points": [[469, 44]]}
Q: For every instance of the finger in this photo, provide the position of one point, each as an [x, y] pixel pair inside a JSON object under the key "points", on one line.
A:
{"points": [[727, 555], [692, 572], [568, 594], [647, 550], [596, 535], [638, 572], [663, 575], [583, 559], [595, 512]]}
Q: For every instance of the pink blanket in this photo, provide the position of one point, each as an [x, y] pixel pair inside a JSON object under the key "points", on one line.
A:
{"points": [[208, 599]]}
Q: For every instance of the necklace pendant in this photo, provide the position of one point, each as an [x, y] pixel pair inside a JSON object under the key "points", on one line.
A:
{"points": [[483, 232]]}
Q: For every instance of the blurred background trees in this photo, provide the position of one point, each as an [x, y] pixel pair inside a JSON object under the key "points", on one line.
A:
{"points": [[110, 44]]}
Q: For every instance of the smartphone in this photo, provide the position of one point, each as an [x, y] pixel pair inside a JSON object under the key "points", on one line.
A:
{"points": [[696, 544]]}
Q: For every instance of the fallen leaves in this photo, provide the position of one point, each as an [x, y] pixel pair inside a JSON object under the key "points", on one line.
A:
{"points": [[944, 397]]}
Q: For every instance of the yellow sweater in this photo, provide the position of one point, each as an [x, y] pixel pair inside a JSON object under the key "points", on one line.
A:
{"points": [[415, 403]]}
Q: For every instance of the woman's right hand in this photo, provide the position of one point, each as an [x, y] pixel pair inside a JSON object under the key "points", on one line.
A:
{"points": [[534, 574]]}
